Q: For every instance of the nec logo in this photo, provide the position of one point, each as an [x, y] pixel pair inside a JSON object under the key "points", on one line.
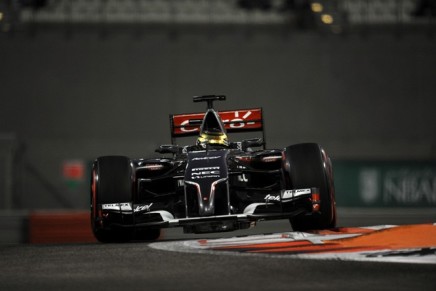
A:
{"points": [[205, 172]]}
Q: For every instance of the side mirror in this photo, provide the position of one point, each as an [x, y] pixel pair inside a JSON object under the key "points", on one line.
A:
{"points": [[169, 149], [253, 142]]}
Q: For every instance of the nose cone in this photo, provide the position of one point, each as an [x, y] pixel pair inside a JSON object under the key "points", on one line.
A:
{"points": [[205, 174]]}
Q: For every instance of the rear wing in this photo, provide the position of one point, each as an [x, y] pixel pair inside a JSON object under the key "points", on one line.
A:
{"points": [[242, 120]]}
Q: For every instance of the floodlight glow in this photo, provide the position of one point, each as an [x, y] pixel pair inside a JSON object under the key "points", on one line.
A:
{"points": [[327, 19], [317, 7]]}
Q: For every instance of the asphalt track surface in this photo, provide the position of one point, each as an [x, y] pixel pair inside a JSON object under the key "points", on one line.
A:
{"points": [[136, 266]]}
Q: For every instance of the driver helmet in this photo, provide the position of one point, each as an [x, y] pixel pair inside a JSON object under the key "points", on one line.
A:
{"points": [[212, 138]]}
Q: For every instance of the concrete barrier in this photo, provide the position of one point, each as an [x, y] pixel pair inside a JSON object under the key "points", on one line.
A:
{"points": [[13, 227]]}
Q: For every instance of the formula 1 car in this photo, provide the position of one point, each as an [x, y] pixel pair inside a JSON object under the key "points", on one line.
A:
{"points": [[213, 185]]}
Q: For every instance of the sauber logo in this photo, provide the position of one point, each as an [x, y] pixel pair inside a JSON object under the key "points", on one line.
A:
{"points": [[237, 119]]}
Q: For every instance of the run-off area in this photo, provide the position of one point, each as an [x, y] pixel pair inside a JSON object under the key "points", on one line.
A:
{"points": [[386, 243]]}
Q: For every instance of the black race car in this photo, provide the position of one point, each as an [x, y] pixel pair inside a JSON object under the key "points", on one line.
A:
{"points": [[213, 185]]}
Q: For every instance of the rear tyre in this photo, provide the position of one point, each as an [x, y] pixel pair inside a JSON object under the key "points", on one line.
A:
{"points": [[111, 182], [307, 165]]}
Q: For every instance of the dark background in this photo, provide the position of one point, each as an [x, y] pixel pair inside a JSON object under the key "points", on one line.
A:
{"points": [[77, 92]]}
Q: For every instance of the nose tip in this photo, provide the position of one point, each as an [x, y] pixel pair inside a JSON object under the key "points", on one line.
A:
{"points": [[207, 209]]}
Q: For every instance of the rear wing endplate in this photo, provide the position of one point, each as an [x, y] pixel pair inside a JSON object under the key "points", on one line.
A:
{"points": [[242, 120]]}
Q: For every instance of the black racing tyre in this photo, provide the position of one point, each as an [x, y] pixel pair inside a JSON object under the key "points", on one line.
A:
{"points": [[147, 234], [306, 166], [111, 182]]}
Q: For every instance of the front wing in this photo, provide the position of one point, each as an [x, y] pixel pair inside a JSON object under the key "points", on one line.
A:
{"points": [[288, 204]]}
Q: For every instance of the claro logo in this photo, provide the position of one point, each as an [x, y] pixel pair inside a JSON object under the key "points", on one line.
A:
{"points": [[234, 119]]}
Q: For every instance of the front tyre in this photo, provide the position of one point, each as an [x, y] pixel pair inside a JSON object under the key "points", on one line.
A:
{"points": [[147, 234], [111, 183], [307, 166]]}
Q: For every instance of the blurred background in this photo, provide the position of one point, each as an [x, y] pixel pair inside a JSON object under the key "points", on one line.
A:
{"points": [[85, 78]]}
